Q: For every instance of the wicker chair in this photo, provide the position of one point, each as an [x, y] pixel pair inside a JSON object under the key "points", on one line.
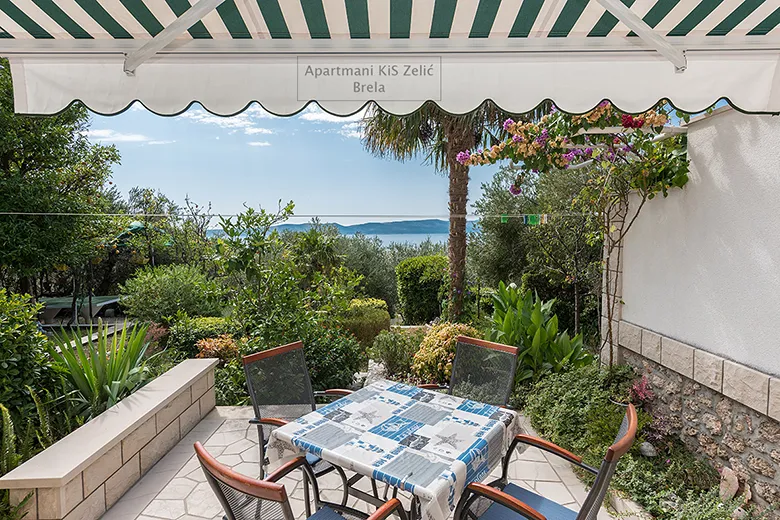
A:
{"points": [[280, 389], [502, 500], [482, 371], [245, 498]]}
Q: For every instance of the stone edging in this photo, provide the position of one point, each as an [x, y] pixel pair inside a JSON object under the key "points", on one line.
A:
{"points": [[747, 386], [626, 508], [86, 472]]}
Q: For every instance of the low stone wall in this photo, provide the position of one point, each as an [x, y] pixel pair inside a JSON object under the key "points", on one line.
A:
{"points": [[723, 410], [85, 473]]}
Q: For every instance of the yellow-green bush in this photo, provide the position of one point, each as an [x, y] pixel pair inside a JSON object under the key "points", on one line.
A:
{"points": [[433, 362], [366, 318]]}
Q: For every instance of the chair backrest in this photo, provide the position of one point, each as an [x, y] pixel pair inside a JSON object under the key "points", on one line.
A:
{"points": [[623, 442], [483, 371], [244, 498], [278, 383]]}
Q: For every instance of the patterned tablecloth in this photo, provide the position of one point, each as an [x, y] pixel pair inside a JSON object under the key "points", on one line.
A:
{"points": [[428, 443]]}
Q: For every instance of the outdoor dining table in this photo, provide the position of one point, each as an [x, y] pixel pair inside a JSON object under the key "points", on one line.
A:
{"points": [[424, 442]]}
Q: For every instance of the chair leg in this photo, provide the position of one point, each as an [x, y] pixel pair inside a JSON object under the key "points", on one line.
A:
{"points": [[374, 489], [306, 497], [344, 485]]}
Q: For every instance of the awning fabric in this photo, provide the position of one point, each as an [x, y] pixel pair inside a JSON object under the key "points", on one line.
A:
{"points": [[517, 53]]}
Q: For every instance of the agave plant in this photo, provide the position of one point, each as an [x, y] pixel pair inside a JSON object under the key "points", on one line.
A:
{"points": [[102, 372]]}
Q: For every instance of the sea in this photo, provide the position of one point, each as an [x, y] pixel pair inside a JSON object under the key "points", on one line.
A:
{"points": [[412, 238]]}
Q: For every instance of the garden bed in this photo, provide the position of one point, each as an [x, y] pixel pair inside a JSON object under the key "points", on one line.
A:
{"points": [[86, 472]]}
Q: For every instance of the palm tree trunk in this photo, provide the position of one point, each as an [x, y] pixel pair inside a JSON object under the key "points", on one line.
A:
{"points": [[459, 137]]}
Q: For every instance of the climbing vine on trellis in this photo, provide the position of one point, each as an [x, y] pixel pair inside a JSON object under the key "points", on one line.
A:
{"points": [[630, 159]]}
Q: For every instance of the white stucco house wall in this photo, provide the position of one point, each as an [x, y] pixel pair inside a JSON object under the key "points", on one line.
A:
{"points": [[703, 265], [699, 287]]}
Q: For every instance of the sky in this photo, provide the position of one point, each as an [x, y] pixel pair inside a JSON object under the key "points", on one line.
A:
{"points": [[314, 159]]}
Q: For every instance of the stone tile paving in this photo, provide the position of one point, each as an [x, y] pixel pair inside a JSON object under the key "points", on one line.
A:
{"points": [[176, 489]]}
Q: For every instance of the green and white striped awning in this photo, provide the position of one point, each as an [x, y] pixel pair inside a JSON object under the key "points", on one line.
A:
{"points": [[515, 52]]}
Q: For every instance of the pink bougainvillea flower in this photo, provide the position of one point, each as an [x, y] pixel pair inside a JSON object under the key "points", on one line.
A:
{"points": [[463, 157]]}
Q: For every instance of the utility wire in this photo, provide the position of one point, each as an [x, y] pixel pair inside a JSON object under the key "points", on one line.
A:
{"points": [[341, 215]]}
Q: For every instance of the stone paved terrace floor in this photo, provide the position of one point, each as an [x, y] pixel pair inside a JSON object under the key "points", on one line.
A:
{"points": [[176, 489]]}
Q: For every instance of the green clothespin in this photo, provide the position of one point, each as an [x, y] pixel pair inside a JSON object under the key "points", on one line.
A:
{"points": [[504, 219], [533, 220]]}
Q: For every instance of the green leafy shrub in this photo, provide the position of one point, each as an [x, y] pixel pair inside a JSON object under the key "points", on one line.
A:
{"points": [[395, 349], [23, 359], [332, 357], [230, 385], [421, 281], [577, 410], [156, 294], [165, 360], [186, 332], [365, 318], [10, 457], [708, 506], [99, 374], [368, 257], [433, 361], [522, 319]]}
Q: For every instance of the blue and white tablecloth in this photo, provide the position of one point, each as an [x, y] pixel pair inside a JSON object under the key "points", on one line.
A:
{"points": [[427, 443]]}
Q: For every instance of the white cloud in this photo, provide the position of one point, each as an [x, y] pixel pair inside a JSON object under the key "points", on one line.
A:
{"points": [[259, 143], [353, 130], [257, 130], [257, 112], [244, 121], [112, 136], [315, 114], [161, 142]]}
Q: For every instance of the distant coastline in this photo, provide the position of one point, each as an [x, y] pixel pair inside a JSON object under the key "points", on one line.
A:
{"points": [[402, 227], [432, 227]]}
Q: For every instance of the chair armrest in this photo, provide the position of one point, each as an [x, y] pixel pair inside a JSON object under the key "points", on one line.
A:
{"points": [[286, 468], [271, 421], [332, 391], [498, 496], [387, 509], [551, 448], [433, 386]]}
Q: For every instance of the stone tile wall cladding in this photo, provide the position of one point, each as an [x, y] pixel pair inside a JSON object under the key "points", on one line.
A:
{"points": [[725, 411], [95, 488]]}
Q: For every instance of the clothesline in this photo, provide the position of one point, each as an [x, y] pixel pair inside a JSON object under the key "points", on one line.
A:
{"points": [[502, 216]]}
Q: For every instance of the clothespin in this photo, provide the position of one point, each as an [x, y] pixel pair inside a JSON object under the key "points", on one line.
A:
{"points": [[504, 219]]}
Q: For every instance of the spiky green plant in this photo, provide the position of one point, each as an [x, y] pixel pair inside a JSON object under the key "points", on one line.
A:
{"points": [[9, 459], [100, 373]]}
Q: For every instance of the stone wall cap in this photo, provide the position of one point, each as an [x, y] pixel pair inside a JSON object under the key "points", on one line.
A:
{"points": [[56, 465]]}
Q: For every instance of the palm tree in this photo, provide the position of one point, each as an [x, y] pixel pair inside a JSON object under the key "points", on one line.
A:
{"points": [[438, 136]]}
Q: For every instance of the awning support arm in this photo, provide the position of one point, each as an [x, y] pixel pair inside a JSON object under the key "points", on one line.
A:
{"points": [[190, 17], [644, 31]]}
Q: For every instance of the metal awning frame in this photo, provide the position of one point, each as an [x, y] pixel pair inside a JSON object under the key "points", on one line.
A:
{"points": [[203, 7], [644, 31], [194, 48], [165, 37]]}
